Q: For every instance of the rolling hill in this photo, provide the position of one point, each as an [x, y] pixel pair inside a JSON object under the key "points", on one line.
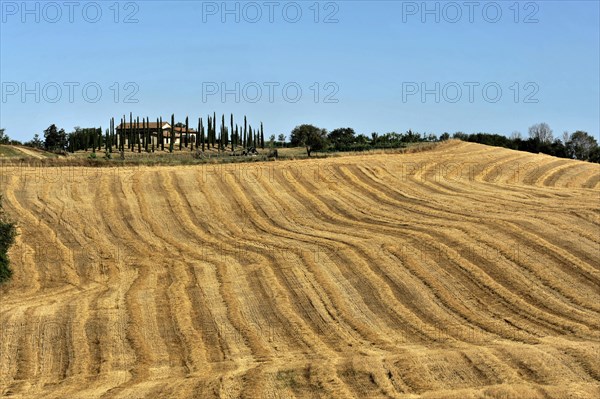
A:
{"points": [[466, 271]]}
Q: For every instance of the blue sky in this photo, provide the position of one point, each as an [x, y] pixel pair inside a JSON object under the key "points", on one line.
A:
{"points": [[357, 63]]}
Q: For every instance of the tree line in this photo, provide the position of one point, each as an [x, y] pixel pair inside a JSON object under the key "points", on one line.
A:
{"points": [[137, 136], [345, 139], [578, 145]]}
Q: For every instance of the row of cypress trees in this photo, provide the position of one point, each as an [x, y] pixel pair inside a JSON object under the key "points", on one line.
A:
{"points": [[85, 139], [137, 135]]}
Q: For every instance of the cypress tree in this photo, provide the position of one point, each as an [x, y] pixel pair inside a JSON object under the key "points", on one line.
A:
{"points": [[161, 135], [187, 132], [152, 138], [208, 132], [213, 134], [137, 134], [198, 133], [245, 133], [112, 134], [214, 119], [232, 134], [202, 134], [143, 134], [262, 136], [130, 132], [122, 133], [223, 133], [220, 139], [237, 135], [172, 133], [147, 133]]}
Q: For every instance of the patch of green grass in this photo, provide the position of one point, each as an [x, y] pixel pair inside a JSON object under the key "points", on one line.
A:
{"points": [[287, 378], [9, 152]]}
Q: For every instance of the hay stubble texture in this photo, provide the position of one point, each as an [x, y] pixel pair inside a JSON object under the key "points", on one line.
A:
{"points": [[462, 272]]}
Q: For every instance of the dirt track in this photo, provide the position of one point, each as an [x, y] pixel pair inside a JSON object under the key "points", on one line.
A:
{"points": [[464, 272]]}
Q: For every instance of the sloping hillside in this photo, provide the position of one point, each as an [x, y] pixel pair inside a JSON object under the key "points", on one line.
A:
{"points": [[463, 272], [18, 151]]}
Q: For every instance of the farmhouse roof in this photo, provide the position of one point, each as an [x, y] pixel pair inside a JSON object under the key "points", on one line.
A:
{"points": [[154, 125], [151, 125]]}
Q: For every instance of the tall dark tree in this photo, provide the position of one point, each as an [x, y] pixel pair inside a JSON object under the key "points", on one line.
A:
{"points": [[54, 139], [237, 135], [262, 136], [160, 133], [172, 133], [232, 134], [245, 132], [223, 133], [130, 132], [112, 135], [137, 134], [208, 132], [202, 134], [123, 133], [198, 133]]}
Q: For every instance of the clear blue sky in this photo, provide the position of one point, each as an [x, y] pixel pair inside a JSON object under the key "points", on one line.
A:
{"points": [[372, 61]]}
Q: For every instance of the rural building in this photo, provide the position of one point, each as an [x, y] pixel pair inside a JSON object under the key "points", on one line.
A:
{"points": [[156, 129]]}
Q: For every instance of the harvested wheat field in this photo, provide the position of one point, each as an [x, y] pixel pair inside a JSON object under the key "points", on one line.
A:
{"points": [[466, 271]]}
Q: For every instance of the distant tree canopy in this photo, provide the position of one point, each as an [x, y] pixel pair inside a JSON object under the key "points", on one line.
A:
{"points": [[342, 137], [541, 132], [579, 145], [4, 139], [54, 139], [309, 136], [35, 142]]}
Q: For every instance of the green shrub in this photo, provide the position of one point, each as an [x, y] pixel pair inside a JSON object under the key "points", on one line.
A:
{"points": [[8, 232]]}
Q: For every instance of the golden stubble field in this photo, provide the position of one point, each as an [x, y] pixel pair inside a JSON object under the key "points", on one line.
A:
{"points": [[462, 272]]}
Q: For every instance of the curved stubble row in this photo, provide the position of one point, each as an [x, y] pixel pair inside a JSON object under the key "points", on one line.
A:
{"points": [[182, 282]]}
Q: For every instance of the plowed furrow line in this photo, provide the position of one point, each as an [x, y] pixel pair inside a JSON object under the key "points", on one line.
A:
{"points": [[356, 268], [433, 319], [276, 319], [357, 247], [317, 314], [191, 241], [581, 271], [510, 297], [568, 172], [237, 307], [411, 229], [307, 259], [499, 257], [498, 279]]}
